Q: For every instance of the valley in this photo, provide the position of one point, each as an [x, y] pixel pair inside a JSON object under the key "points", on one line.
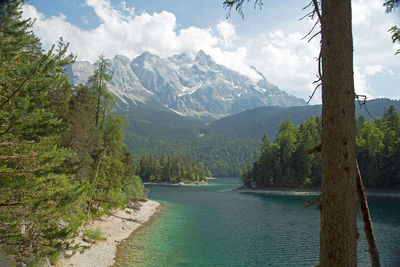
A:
{"points": [[114, 119], [223, 145], [192, 106]]}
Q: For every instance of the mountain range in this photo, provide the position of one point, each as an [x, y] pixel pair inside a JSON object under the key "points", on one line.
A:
{"points": [[186, 85], [229, 112]]}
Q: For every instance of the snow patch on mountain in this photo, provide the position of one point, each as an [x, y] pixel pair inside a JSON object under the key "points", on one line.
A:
{"points": [[185, 84]]}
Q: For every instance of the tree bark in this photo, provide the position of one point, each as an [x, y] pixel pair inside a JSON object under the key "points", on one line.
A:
{"points": [[338, 236]]}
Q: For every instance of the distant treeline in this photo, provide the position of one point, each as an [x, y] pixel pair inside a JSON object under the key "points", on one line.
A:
{"points": [[171, 168], [62, 156], [281, 163]]}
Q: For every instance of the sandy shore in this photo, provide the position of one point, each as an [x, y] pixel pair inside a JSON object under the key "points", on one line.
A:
{"points": [[277, 192], [179, 184], [115, 228]]}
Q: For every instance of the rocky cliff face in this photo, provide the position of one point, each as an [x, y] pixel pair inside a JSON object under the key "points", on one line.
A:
{"points": [[187, 85]]}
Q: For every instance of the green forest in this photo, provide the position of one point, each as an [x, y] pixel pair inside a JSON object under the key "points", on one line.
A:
{"points": [[62, 156], [170, 168], [282, 164], [65, 159], [223, 145]]}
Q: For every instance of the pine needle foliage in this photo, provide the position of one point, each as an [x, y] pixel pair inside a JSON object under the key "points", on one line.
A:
{"points": [[62, 159]]}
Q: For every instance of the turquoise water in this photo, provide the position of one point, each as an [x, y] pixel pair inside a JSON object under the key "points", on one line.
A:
{"points": [[213, 226]]}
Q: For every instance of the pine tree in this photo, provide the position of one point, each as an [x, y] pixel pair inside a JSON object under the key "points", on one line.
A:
{"points": [[35, 184]]}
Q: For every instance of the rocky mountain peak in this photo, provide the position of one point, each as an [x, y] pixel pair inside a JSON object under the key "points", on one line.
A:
{"points": [[193, 86], [203, 59], [122, 59]]}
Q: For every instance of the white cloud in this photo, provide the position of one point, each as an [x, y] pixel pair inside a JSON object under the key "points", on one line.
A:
{"points": [[373, 49], [123, 32], [279, 53], [226, 31], [287, 60], [235, 60], [363, 11], [372, 70], [125, 8], [361, 85]]}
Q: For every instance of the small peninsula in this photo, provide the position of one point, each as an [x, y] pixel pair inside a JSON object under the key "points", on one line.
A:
{"points": [[171, 169]]}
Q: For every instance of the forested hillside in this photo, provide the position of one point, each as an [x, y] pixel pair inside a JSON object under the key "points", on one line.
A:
{"points": [[223, 145], [281, 163], [62, 156]]}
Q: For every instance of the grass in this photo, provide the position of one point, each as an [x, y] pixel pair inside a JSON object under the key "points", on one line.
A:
{"points": [[94, 234]]}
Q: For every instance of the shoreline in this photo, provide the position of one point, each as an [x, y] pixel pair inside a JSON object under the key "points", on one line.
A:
{"points": [[177, 184], [115, 228], [277, 192], [298, 192]]}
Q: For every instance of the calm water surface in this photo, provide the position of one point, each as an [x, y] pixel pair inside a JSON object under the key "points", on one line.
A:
{"points": [[213, 226]]}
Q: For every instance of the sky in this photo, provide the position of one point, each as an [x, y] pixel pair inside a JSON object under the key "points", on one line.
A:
{"points": [[269, 39]]}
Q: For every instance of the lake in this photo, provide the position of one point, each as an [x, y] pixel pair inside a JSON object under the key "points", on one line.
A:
{"points": [[214, 226]]}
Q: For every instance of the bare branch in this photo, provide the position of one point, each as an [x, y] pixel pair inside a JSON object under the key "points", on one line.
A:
{"points": [[313, 93], [312, 37], [307, 6], [308, 15], [17, 157], [3, 144], [365, 214], [24, 171], [316, 9], [312, 14], [238, 5], [18, 89], [312, 29], [312, 201], [312, 150], [11, 204], [364, 103], [128, 219], [8, 129]]}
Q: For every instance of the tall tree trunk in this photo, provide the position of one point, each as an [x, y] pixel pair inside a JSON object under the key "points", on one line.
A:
{"points": [[338, 237]]}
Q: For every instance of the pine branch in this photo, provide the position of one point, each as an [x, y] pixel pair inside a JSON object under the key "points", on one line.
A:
{"points": [[33, 72]]}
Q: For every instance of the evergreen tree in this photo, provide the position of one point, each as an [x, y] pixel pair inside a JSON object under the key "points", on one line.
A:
{"points": [[377, 152], [61, 150], [36, 190]]}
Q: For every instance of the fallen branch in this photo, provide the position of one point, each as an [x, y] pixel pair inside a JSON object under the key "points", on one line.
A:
{"points": [[128, 219], [368, 229], [312, 150], [312, 201], [10, 204]]}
